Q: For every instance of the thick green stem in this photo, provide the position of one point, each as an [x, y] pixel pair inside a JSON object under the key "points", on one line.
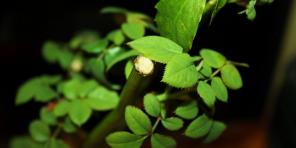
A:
{"points": [[132, 90]]}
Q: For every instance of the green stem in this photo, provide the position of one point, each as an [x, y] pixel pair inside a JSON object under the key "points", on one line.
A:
{"points": [[132, 90], [155, 125]]}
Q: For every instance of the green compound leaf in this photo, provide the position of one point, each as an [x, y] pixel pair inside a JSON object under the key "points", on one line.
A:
{"points": [[47, 116], [216, 130], [122, 57], [213, 58], [187, 111], [69, 126], [116, 36], [102, 99], [56, 143], [220, 89], [180, 72], [62, 108], [124, 139], [27, 91], [206, 70], [199, 127], [206, 92], [79, 112], [178, 20], [157, 48], [152, 105], [172, 123], [133, 30], [95, 47], [86, 87], [128, 69], [161, 141], [137, 121], [44, 93], [70, 89], [231, 77], [39, 131]]}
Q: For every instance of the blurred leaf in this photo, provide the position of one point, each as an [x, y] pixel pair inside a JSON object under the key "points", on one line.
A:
{"points": [[86, 87], [137, 121], [219, 89], [39, 131], [206, 92], [180, 72], [113, 9], [70, 89], [27, 91], [102, 99], [47, 116], [65, 58], [95, 47], [213, 58], [51, 51], [51, 79], [69, 126], [178, 20], [56, 143], [152, 105], [62, 108], [161, 141], [157, 48], [44, 93], [251, 11], [199, 127], [79, 111], [112, 54], [83, 37], [206, 70], [25, 142], [116, 36], [218, 6], [133, 30], [172, 123], [216, 130], [188, 110], [231, 77], [121, 57], [124, 139], [128, 68]]}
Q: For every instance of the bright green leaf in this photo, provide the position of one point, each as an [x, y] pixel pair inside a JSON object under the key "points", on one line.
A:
{"points": [[251, 11], [199, 127], [86, 87], [79, 111], [180, 72], [178, 20], [161, 141], [219, 89], [172, 123], [128, 68], [62, 108], [206, 70], [102, 99], [157, 48], [213, 58], [27, 91], [137, 121], [82, 38], [122, 57], [116, 37], [188, 110], [206, 92], [44, 93], [133, 30], [47, 116], [216, 130], [124, 139], [231, 77], [152, 105], [70, 89], [39, 131]]}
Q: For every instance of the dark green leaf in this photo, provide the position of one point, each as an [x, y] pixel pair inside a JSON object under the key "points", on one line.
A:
{"points": [[70, 89], [95, 47], [219, 89], [24, 142], [157, 48], [86, 87], [62, 108], [39, 131], [27, 91], [172, 123], [56, 143], [79, 111], [137, 120], [213, 58], [44, 93], [206, 92], [231, 77], [51, 51], [69, 126], [65, 58], [188, 110], [102, 99], [199, 127], [216, 130], [116, 37], [47, 116], [113, 9], [180, 72], [161, 141], [122, 57], [152, 105], [178, 20], [83, 37], [124, 139]]}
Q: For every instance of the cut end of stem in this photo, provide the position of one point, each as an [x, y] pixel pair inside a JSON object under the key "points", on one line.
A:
{"points": [[144, 65]]}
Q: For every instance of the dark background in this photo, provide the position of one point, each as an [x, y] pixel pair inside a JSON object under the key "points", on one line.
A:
{"points": [[25, 26]]}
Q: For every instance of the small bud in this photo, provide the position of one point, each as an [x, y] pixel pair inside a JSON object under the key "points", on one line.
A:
{"points": [[144, 65]]}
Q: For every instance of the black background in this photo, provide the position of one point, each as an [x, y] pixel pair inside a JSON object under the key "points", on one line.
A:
{"points": [[24, 26]]}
